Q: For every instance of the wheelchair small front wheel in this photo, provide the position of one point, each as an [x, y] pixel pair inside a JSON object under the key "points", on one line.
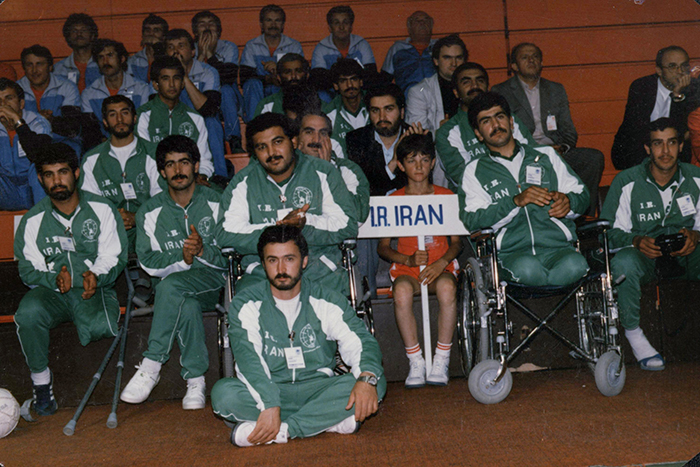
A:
{"points": [[482, 386], [609, 382]]}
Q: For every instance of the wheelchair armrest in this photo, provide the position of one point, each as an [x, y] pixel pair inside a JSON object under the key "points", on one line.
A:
{"points": [[481, 234], [349, 243], [228, 251], [593, 226]]}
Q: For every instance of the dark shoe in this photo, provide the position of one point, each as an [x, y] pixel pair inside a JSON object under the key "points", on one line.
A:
{"points": [[44, 401]]}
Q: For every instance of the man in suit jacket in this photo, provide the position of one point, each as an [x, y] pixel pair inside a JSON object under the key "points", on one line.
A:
{"points": [[543, 107], [651, 97]]}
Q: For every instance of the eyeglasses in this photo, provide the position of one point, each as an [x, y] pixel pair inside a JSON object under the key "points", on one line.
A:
{"points": [[684, 67]]}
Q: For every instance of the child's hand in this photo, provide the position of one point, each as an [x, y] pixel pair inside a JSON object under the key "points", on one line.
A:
{"points": [[419, 258], [431, 272]]}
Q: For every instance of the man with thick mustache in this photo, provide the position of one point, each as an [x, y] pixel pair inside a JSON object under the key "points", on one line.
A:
{"points": [[290, 188], [347, 110], [293, 70]]}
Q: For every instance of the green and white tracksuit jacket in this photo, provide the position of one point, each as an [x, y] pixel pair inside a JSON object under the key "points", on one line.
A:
{"points": [[344, 121], [156, 121], [253, 201], [259, 332], [356, 183], [492, 181], [456, 145]]}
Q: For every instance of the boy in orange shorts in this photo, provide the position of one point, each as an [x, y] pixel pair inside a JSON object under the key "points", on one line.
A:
{"points": [[415, 154]]}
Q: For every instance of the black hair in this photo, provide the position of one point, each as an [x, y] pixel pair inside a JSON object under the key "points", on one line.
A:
{"points": [[389, 89], [345, 67], [205, 14], [283, 234], [486, 101], [163, 62], [671, 48], [116, 99], [449, 41], [79, 18], [8, 83], [100, 44], [272, 8], [179, 144], [514, 51], [415, 143], [292, 57], [301, 100], [660, 124], [56, 153], [469, 66], [155, 20], [175, 34], [266, 121], [340, 10], [39, 51]]}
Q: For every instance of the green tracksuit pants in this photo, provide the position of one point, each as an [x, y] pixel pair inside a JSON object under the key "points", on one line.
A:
{"points": [[639, 270], [556, 266], [42, 309], [308, 407], [177, 314]]}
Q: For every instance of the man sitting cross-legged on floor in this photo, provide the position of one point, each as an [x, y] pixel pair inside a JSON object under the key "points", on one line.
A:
{"points": [[175, 241], [284, 334]]}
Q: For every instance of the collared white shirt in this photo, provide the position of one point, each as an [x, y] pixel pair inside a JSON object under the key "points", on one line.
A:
{"points": [[662, 107], [388, 153], [533, 97]]}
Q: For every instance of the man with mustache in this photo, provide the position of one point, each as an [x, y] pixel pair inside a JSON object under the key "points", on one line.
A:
{"points": [[71, 247], [258, 70], [123, 168], [292, 70], [79, 31], [153, 30], [285, 333], [110, 57], [176, 244], [347, 110], [291, 188], [544, 108], [22, 135], [455, 141], [528, 196]]}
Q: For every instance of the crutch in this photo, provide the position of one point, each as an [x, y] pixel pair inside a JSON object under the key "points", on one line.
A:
{"points": [[225, 354], [112, 419]]}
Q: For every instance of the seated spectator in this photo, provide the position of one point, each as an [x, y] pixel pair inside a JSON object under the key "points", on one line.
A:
{"points": [[202, 92], [544, 108], [342, 43], [79, 31], [71, 247], [8, 71], [191, 268], [280, 394], [455, 140], [22, 136], [300, 100], [662, 94], [415, 155], [347, 110], [259, 76], [290, 188], [410, 61], [657, 197], [292, 70], [153, 30], [111, 57], [123, 168], [223, 56], [165, 114], [529, 196]]}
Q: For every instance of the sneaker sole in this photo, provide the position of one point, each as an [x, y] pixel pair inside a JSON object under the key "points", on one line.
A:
{"points": [[193, 406], [414, 386], [436, 383]]}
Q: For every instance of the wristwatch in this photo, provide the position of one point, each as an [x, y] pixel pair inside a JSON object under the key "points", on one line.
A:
{"points": [[19, 123], [370, 379]]}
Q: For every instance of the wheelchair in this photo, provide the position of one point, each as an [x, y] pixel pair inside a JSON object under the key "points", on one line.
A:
{"points": [[484, 328], [361, 304]]}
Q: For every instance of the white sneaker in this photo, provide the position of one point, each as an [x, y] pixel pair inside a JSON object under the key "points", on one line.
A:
{"points": [[416, 374], [140, 386], [196, 394], [240, 433], [348, 426], [440, 372]]}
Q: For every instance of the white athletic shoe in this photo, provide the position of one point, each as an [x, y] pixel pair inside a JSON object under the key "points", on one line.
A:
{"points": [[196, 394], [348, 426], [240, 433], [440, 372], [140, 386], [416, 374]]}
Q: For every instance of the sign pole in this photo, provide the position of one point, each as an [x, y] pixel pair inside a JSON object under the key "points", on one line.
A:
{"points": [[427, 346]]}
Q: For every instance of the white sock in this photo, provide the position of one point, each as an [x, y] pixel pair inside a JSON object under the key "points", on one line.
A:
{"points": [[443, 350], [150, 366], [414, 353], [42, 378], [640, 345], [197, 380]]}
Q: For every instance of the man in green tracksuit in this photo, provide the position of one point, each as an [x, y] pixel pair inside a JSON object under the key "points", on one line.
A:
{"points": [[175, 242], [71, 247], [455, 141], [528, 196], [165, 115], [285, 333], [287, 187], [122, 169], [659, 196]]}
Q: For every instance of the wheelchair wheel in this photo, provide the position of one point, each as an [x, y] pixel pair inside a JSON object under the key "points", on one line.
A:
{"points": [[482, 386], [367, 313], [468, 319], [591, 315], [608, 382]]}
